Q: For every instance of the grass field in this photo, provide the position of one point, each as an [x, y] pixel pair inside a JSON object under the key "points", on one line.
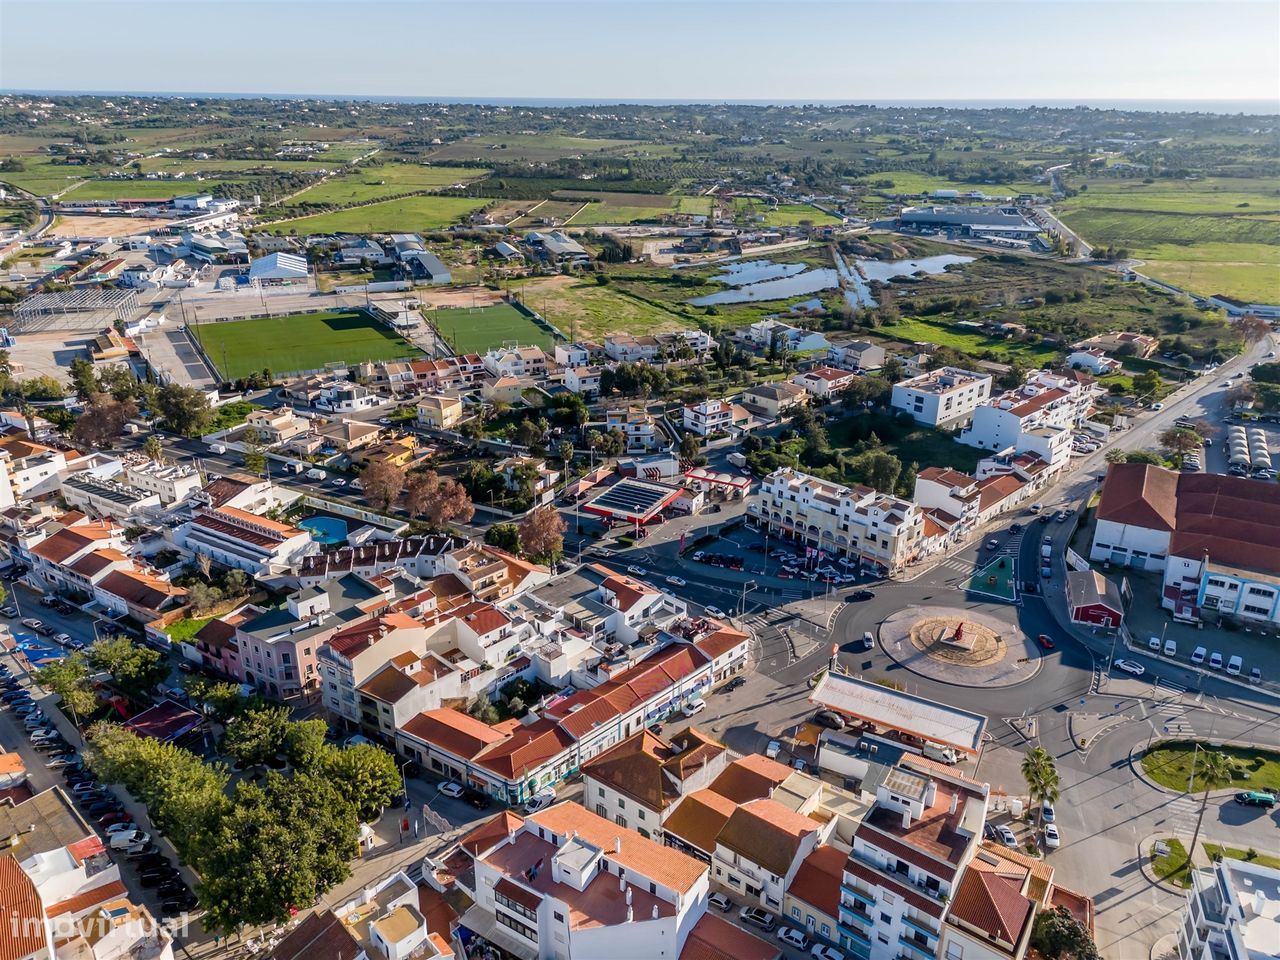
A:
{"points": [[42, 177], [390, 179], [298, 342], [631, 207], [917, 329], [1215, 235], [479, 329], [919, 443], [909, 181], [406, 215], [1173, 867], [548, 209], [187, 165], [1169, 765], [143, 189], [783, 215], [590, 310], [1235, 853], [535, 147]]}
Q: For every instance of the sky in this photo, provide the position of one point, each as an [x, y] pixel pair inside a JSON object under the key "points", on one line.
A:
{"points": [[696, 50]]}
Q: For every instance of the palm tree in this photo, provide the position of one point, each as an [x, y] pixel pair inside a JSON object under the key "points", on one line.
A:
{"points": [[1216, 768], [1041, 775]]}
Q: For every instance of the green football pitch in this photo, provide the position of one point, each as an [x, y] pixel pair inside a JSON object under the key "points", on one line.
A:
{"points": [[299, 342]]}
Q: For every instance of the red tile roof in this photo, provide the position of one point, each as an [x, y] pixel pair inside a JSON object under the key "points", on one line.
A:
{"points": [[647, 769], [698, 819], [750, 777], [818, 880], [1141, 495], [528, 747], [490, 833], [452, 731], [993, 904], [23, 916], [140, 589], [766, 833], [625, 847], [483, 618], [89, 898], [714, 938], [321, 936]]}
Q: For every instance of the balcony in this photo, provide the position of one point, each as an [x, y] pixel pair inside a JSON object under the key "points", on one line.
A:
{"points": [[863, 894], [849, 914], [856, 935], [921, 923], [915, 949]]}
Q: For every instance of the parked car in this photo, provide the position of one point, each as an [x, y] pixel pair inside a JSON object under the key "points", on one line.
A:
{"points": [[1046, 641], [773, 749], [1051, 838], [1129, 666], [793, 938], [171, 906], [676, 581], [1047, 813], [1198, 655], [829, 718], [713, 611], [1215, 660], [451, 789], [824, 951], [1235, 665], [9, 611], [993, 544], [1007, 837], [32, 624], [477, 799], [720, 902], [1256, 798], [868, 641], [540, 800], [758, 917], [1255, 675], [59, 760], [116, 825], [636, 571], [173, 888], [734, 684]]}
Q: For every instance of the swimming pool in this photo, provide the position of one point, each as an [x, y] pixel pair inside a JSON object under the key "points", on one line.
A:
{"points": [[326, 530]]}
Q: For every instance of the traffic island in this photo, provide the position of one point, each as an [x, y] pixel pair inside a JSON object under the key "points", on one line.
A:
{"points": [[996, 581], [958, 646]]}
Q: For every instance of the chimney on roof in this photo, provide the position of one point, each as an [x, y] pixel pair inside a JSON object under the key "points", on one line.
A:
{"points": [[955, 801], [617, 844], [655, 911], [906, 818]]}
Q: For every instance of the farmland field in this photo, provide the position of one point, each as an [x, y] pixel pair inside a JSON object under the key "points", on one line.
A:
{"points": [[479, 329], [406, 215], [548, 209], [185, 164], [298, 342], [370, 183], [916, 329], [1215, 235], [535, 147], [783, 215], [42, 177], [590, 310], [630, 207], [908, 181], [143, 189]]}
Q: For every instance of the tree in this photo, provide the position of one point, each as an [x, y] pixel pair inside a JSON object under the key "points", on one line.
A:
{"points": [[1115, 455], [69, 679], [1057, 935], [1041, 776], [1216, 769], [256, 735], [504, 536], [103, 420], [1146, 384], [881, 469], [1178, 441], [382, 483], [1251, 328], [690, 446], [220, 699], [184, 409], [203, 597], [84, 381], [280, 846], [565, 452], [304, 743], [1144, 456], [542, 534], [153, 449], [134, 669], [235, 583], [366, 774], [440, 500], [255, 460]]}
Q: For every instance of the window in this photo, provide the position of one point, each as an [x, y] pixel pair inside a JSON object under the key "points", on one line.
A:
{"points": [[622, 804], [826, 930], [795, 913], [559, 916], [885, 918], [1258, 611], [286, 658], [640, 813], [621, 821], [1258, 592], [879, 936], [653, 888], [523, 929], [955, 951], [599, 791]]}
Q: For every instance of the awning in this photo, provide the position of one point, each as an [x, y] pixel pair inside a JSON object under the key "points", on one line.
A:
{"points": [[480, 922]]}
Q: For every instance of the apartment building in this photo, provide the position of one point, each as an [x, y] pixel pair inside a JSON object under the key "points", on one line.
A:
{"points": [[1045, 402], [407, 685], [625, 348], [32, 468], [824, 382], [713, 416], [439, 413], [857, 522], [905, 866], [765, 333], [354, 653], [58, 557], [171, 482], [244, 541], [639, 428], [941, 397], [101, 497], [516, 362], [278, 425], [566, 884], [638, 783], [1230, 912], [856, 355]]}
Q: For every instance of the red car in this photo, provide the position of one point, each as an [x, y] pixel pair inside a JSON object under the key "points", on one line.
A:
{"points": [[1046, 641], [113, 817]]}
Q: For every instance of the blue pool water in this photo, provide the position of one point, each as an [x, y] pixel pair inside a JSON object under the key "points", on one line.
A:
{"points": [[326, 530]]}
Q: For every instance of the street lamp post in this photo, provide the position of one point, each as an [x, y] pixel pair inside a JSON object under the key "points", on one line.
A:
{"points": [[742, 603]]}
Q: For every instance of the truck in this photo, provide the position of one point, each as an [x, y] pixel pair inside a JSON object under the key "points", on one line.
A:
{"points": [[737, 459], [315, 473], [295, 466], [218, 447]]}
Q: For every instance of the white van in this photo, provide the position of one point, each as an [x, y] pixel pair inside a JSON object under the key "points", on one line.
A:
{"points": [[218, 447], [120, 841], [1215, 660], [1199, 655], [1170, 648], [315, 473], [1153, 643], [1234, 665], [356, 740], [941, 754]]}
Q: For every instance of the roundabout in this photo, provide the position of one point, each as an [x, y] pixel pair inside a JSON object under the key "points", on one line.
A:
{"points": [[959, 646]]}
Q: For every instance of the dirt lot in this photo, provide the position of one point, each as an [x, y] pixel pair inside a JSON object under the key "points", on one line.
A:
{"points": [[459, 296], [102, 227], [47, 353]]}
